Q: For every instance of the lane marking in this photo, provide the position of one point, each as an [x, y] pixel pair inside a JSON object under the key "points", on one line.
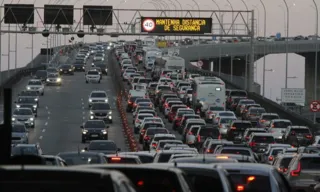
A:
{"points": [[82, 103], [82, 107], [81, 99], [47, 107], [43, 130], [46, 124], [49, 112], [41, 137], [48, 117], [83, 112], [83, 118]]}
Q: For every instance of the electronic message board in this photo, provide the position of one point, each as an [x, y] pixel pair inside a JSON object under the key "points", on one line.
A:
{"points": [[176, 25]]}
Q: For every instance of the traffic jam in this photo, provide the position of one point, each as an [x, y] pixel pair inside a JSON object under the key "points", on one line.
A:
{"points": [[180, 117]]}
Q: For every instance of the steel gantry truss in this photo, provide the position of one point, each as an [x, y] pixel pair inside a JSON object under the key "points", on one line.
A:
{"points": [[127, 22]]}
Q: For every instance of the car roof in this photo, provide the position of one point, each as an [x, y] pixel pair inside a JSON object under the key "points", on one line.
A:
{"points": [[253, 168], [261, 134]]}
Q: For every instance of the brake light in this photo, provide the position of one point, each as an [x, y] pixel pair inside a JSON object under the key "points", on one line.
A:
{"points": [[140, 183], [252, 144], [262, 121], [166, 105], [240, 188], [137, 121], [296, 172], [283, 170], [209, 151], [146, 138], [115, 158], [233, 128], [129, 102], [308, 136], [154, 145], [199, 138], [143, 131], [220, 126], [251, 178], [230, 99], [270, 158]]}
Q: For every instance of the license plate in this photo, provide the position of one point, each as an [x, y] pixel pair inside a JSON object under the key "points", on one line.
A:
{"points": [[94, 135]]}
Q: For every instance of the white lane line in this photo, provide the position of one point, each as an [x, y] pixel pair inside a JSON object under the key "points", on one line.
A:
{"points": [[83, 112], [49, 112], [43, 130], [83, 118], [46, 124], [81, 99], [48, 117], [47, 107], [82, 107], [82, 103], [41, 137]]}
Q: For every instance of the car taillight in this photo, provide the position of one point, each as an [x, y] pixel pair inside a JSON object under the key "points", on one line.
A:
{"points": [[233, 128], [296, 172], [199, 138], [270, 158], [115, 158], [209, 151], [230, 99], [308, 136], [252, 144], [129, 102], [209, 112], [154, 145], [262, 121], [240, 188], [283, 170]]}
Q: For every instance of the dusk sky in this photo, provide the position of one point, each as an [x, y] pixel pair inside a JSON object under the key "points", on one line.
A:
{"points": [[302, 22]]}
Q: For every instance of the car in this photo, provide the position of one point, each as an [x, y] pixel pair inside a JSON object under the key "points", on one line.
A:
{"points": [[52, 70], [41, 75], [35, 85], [93, 76], [29, 94], [25, 116], [103, 146], [19, 134], [103, 67], [94, 130], [101, 111], [26, 149], [27, 102], [98, 57], [82, 157], [79, 66], [66, 69], [98, 96], [54, 79], [54, 160]]}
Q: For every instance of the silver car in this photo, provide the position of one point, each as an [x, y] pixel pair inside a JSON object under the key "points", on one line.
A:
{"points": [[101, 111], [20, 134], [211, 112], [24, 116], [53, 79], [35, 85], [278, 127], [98, 97]]}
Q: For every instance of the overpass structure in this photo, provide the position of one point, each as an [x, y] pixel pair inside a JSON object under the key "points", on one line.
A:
{"points": [[230, 61]]}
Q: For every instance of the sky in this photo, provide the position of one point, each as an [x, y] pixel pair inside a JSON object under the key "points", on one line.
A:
{"points": [[302, 16]]}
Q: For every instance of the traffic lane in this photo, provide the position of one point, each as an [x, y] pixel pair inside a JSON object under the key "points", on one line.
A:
{"points": [[68, 109], [35, 134]]}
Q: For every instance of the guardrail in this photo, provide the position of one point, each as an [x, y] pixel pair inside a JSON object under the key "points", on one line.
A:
{"points": [[269, 105]]}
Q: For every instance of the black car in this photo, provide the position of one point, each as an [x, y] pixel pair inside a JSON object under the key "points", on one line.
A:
{"points": [[94, 130], [42, 75], [82, 158], [52, 70], [27, 102], [103, 146], [102, 66], [80, 61], [79, 67], [66, 69]]}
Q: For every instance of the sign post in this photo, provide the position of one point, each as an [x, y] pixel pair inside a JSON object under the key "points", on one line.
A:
{"points": [[293, 95], [315, 106]]}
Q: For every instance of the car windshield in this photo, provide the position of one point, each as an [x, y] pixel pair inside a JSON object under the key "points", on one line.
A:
{"points": [[29, 93], [301, 131], [26, 100], [24, 150], [209, 132], [142, 116], [22, 112], [270, 117], [18, 128], [127, 61], [98, 95], [164, 88], [52, 70], [80, 159], [227, 120], [101, 106], [312, 163], [276, 151], [257, 110], [162, 144], [109, 146], [226, 114], [34, 83], [215, 108], [99, 55], [93, 73], [94, 124], [242, 125], [53, 75]]}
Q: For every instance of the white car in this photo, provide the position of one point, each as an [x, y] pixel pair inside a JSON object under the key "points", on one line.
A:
{"points": [[35, 85], [98, 97], [157, 137], [139, 119], [126, 74], [93, 76], [24, 116]]}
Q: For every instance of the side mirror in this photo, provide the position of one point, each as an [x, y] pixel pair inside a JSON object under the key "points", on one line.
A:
{"points": [[108, 126], [119, 149], [81, 126]]}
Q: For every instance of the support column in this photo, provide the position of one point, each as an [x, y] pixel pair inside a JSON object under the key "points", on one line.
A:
{"points": [[309, 77]]}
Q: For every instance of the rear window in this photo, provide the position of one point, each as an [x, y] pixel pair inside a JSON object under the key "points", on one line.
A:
{"points": [[257, 110], [226, 121], [214, 108], [303, 131], [189, 91], [174, 109], [310, 163], [153, 125], [155, 131], [242, 125], [164, 88], [163, 138], [174, 103], [255, 185], [247, 102], [281, 124], [238, 94], [208, 132], [235, 151], [276, 151], [226, 114], [141, 117], [270, 117], [285, 162], [121, 160], [263, 139]]}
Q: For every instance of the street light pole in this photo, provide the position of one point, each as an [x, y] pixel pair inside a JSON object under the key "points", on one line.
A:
{"points": [[316, 60], [264, 47], [287, 44]]}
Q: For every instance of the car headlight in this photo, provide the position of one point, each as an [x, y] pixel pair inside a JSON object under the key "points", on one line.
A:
{"points": [[110, 112], [13, 119], [70, 69], [31, 119], [90, 100], [60, 69], [35, 106], [36, 99], [104, 132], [106, 100], [59, 79], [28, 88], [84, 131], [17, 106], [91, 112], [91, 117], [48, 80]]}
